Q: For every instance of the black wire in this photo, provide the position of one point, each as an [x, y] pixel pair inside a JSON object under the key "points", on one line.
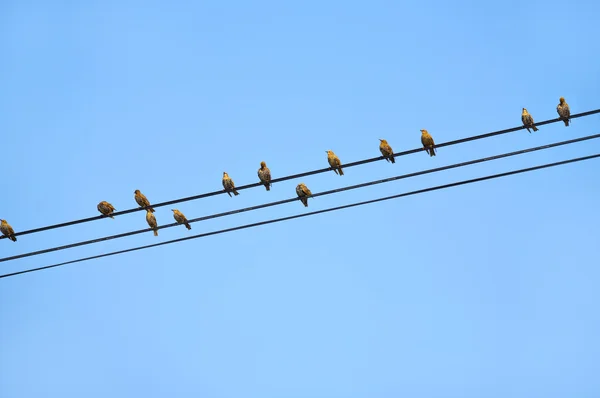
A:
{"points": [[308, 173], [262, 206], [257, 224]]}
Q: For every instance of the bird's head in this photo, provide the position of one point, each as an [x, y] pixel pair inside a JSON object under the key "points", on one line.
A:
{"points": [[137, 191], [562, 100], [263, 164], [524, 110], [423, 131], [383, 141], [2, 221], [174, 210], [224, 174]]}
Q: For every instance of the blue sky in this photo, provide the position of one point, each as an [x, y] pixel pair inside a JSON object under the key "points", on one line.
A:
{"points": [[483, 290]]}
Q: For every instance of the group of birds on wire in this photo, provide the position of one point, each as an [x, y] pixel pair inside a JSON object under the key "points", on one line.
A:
{"points": [[264, 175]]}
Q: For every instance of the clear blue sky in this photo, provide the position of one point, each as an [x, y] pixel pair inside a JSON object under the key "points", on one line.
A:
{"points": [[487, 290]]}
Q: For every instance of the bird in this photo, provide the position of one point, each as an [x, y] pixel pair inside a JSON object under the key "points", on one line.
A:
{"points": [[264, 174], [7, 230], [180, 218], [386, 150], [141, 200], [334, 162], [106, 208], [303, 193], [563, 111], [527, 120], [427, 141], [228, 185], [151, 220]]}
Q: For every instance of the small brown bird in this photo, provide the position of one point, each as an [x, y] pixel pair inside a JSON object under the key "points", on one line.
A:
{"points": [[527, 120], [106, 208], [427, 141], [180, 218], [386, 150], [563, 111], [141, 200], [151, 220], [334, 162], [7, 230], [303, 193], [229, 185], [264, 175]]}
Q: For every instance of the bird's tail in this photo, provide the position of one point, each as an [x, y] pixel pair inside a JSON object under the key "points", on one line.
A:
{"points": [[392, 159], [431, 151], [304, 201], [188, 226], [566, 122], [13, 238], [267, 187], [341, 171], [534, 128], [235, 192], [156, 232], [228, 193], [151, 209], [112, 217]]}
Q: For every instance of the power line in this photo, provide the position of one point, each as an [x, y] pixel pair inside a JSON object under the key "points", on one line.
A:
{"points": [[280, 202], [293, 176], [257, 224]]}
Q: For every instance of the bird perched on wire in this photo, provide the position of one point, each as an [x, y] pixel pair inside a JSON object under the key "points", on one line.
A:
{"points": [[151, 220], [264, 175], [334, 162], [106, 208], [180, 218], [563, 111], [229, 185], [141, 200], [427, 141], [7, 230], [527, 120], [386, 150], [303, 193]]}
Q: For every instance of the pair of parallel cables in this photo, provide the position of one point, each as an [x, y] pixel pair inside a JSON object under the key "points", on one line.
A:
{"points": [[246, 209]]}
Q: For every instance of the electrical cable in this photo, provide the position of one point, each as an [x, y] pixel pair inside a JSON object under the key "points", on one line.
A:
{"points": [[293, 176], [420, 191], [262, 206]]}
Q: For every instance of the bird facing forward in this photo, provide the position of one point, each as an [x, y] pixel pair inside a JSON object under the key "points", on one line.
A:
{"points": [[229, 185], [303, 193], [563, 111], [7, 230], [106, 208], [151, 220], [334, 162], [428, 143], [141, 200], [386, 150], [264, 175], [180, 218], [527, 120]]}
